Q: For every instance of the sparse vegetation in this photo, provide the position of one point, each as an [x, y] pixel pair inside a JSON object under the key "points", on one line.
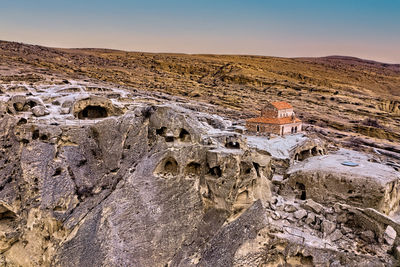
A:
{"points": [[239, 83]]}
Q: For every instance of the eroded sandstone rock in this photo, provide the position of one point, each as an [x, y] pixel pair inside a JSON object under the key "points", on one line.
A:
{"points": [[145, 180], [107, 180], [326, 180]]}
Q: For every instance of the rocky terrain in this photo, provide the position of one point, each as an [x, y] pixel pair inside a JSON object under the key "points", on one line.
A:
{"points": [[354, 98], [108, 161]]}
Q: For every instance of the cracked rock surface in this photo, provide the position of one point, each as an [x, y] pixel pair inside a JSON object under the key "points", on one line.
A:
{"points": [[97, 176]]}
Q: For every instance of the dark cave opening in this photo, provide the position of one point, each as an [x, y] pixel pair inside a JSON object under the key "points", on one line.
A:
{"points": [[93, 112]]}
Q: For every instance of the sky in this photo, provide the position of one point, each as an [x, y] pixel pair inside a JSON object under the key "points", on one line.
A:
{"points": [[367, 29]]}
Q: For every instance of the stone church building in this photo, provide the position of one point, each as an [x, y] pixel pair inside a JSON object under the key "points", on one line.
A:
{"points": [[276, 118]]}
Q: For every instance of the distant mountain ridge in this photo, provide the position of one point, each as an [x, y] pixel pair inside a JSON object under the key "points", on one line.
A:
{"points": [[334, 57], [355, 60]]}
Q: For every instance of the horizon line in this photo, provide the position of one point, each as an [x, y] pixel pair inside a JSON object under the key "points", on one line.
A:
{"points": [[204, 54]]}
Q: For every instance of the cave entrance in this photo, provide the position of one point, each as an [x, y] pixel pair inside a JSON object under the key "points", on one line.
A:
{"points": [[171, 166], [245, 168], [31, 104], [215, 171], [314, 151], [301, 191], [193, 168], [184, 135], [7, 217], [232, 145], [93, 112], [302, 155]]}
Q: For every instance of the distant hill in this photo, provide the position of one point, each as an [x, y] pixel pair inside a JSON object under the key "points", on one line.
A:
{"points": [[335, 91]]}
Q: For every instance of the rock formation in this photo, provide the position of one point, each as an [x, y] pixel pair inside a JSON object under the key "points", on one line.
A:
{"points": [[97, 176]]}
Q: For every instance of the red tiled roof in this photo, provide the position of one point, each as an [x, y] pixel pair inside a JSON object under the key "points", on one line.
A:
{"points": [[281, 105], [284, 120]]}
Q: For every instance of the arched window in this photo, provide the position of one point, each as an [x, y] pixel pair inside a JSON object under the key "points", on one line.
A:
{"points": [[258, 128]]}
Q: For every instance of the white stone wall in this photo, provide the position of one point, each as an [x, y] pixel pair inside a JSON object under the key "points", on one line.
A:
{"points": [[285, 113], [287, 128]]}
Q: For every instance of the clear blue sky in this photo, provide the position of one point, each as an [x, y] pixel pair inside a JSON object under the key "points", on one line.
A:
{"points": [[363, 28]]}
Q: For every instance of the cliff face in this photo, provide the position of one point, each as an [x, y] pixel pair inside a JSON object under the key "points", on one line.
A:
{"points": [[118, 189], [95, 172], [99, 176]]}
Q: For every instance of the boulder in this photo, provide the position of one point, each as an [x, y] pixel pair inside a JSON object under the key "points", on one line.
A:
{"points": [[368, 236], [328, 227], [311, 205], [290, 208], [325, 180], [39, 111], [300, 214], [336, 235]]}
